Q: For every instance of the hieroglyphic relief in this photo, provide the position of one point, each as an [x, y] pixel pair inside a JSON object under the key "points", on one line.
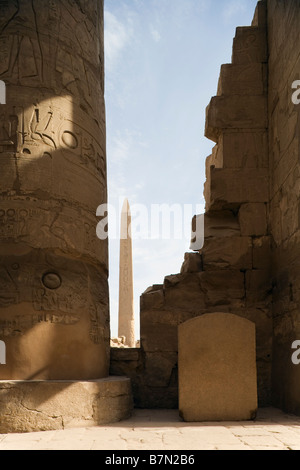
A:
{"points": [[68, 229], [44, 129], [47, 56], [249, 46], [56, 297], [53, 172]]}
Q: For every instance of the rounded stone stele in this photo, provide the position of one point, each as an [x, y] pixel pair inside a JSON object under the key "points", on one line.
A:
{"points": [[217, 368]]}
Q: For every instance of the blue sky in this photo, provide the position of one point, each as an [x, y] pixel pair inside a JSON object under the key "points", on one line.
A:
{"points": [[162, 64]]}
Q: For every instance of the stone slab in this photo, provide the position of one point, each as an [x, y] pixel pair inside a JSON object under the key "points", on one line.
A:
{"points": [[217, 368], [253, 219], [248, 79], [237, 186], [30, 406], [235, 112], [250, 45]]}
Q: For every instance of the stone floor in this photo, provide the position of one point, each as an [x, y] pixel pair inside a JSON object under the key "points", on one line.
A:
{"points": [[163, 430]]}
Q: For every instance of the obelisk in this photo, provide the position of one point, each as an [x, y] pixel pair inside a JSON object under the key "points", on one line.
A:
{"points": [[126, 306]]}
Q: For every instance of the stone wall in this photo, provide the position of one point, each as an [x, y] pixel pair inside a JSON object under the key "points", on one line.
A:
{"points": [[231, 273], [284, 135], [249, 262]]}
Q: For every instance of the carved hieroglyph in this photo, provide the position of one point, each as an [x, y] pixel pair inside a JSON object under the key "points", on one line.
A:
{"points": [[126, 308], [53, 269]]}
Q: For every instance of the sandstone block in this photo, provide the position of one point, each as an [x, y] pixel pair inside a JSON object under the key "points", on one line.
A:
{"points": [[261, 316], [186, 295], [253, 219], [28, 406], [261, 252], [236, 186], [125, 361], [222, 287], [215, 159], [217, 368], [248, 79], [221, 224], [260, 15], [159, 368], [227, 252], [244, 149], [250, 45], [192, 263], [159, 330], [258, 286], [152, 298], [235, 112]]}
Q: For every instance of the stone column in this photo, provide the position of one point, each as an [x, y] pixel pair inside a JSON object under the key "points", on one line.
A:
{"points": [[126, 308], [54, 316]]}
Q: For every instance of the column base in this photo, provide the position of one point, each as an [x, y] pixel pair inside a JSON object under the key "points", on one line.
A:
{"points": [[29, 406]]}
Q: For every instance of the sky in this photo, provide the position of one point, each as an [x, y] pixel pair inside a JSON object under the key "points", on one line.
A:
{"points": [[162, 65]]}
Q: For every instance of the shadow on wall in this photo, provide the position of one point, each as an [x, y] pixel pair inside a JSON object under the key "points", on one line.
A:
{"points": [[53, 290]]}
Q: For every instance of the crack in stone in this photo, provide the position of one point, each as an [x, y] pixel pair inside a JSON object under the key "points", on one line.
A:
{"points": [[33, 410]]}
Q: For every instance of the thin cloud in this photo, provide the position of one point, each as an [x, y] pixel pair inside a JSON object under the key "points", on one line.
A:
{"points": [[233, 8], [116, 36], [155, 35]]}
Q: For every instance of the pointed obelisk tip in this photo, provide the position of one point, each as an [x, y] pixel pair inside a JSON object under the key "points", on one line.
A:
{"points": [[125, 207]]}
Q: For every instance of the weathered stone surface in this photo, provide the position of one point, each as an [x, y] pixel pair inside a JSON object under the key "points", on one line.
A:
{"points": [[237, 186], [152, 299], [54, 316], [235, 112], [261, 252], [159, 368], [186, 294], [222, 287], [284, 130], [234, 252], [258, 286], [249, 79], [249, 45], [244, 149], [28, 406], [217, 368], [253, 220], [260, 15], [159, 330], [192, 263], [221, 224]]}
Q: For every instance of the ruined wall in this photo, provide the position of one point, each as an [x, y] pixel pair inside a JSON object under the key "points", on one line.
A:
{"points": [[54, 315], [249, 264], [232, 271], [284, 135]]}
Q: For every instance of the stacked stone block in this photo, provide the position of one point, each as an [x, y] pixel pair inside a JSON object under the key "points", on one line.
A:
{"points": [[249, 263]]}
